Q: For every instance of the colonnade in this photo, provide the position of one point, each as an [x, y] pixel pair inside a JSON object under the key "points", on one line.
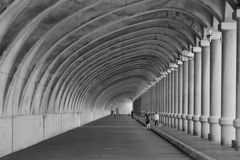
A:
{"points": [[202, 97]]}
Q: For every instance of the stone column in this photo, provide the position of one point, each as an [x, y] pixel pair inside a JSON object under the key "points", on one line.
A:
{"points": [[164, 95], [180, 83], [156, 94], [176, 98], [215, 86], [205, 44], [173, 98], [228, 103], [190, 95], [197, 90], [165, 100], [185, 97], [150, 99], [162, 99], [236, 122], [169, 99]]}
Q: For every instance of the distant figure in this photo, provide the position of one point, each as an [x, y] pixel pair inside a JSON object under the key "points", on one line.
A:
{"points": [[156, 119], [147, 119], [132, 113], [114, 114]]}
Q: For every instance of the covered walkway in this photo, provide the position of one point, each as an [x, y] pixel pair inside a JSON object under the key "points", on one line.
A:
{"points": [[107, 138], [67, 63]]}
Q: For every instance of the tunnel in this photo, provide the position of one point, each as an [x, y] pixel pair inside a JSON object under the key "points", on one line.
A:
{"points": [[67, 63]]}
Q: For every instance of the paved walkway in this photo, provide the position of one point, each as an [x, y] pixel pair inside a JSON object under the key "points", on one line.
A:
{"points": [[195, 146], [120, 138]]}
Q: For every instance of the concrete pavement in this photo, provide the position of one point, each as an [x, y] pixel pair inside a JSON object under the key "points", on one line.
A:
{"points": [[107, 138]]}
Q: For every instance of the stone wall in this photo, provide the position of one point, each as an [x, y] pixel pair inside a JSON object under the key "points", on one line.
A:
{"points": [[23, 131]]}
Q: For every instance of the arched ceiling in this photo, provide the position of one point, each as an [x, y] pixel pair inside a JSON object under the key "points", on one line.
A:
{"points": [[69, 55]]}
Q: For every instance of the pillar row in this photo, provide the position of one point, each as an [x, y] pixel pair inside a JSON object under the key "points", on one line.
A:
{"points": [[228, 100]]}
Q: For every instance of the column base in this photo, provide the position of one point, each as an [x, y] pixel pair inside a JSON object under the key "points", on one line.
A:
{"points": [[179, 116], [179, 124], [176, 123], [196, 118], [189, 117], [190, 123], [227, 135], [175, 115], [184, 123], [204, 130], [184, 116], [236, 124], [196, 128], [227, 131], [204, 126], [215, 129], [190, 127]]}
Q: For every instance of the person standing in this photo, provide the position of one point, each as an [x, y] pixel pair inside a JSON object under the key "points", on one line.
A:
{"points": [[114, 114], [132, 113], [156, 119], [147, 119]]}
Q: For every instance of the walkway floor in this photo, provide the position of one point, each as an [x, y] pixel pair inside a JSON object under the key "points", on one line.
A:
{"points": [[195, 146], [120, 138]]}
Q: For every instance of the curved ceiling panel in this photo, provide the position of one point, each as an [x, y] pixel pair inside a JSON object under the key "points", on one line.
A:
{"points": [[72, 55]]}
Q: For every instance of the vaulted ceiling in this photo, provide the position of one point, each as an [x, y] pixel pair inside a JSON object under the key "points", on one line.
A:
{"points": [[69, 55]]}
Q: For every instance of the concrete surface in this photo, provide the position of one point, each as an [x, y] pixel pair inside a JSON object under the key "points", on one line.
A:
{"points": [[196, 147], [106, 138], [20, 132]]}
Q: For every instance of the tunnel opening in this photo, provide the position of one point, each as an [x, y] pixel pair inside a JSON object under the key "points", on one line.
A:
{"points": [[122, 106]]}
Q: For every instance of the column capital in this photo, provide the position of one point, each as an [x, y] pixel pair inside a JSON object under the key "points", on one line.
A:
{"points": [[179, 62], [236, 14], [216, 36], [196, 49], [228, 26], [184, 59], [205, 43]]}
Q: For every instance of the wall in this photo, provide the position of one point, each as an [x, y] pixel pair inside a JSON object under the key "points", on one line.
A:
{"points": [[23, 131], [5, 135], [27, 131]]}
